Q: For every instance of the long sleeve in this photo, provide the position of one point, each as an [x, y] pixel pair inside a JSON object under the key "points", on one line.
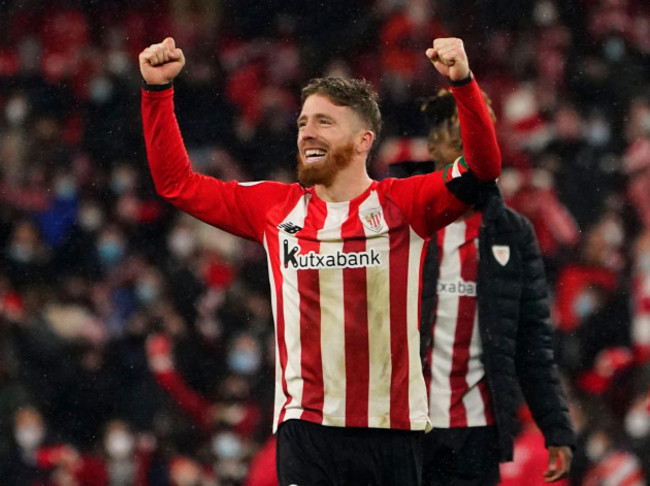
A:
{"points": [[231, 206], [536, 369], [480, 147]]}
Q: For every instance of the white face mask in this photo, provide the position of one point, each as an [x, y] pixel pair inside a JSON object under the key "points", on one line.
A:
{"points": [[119, 445], [16, 110], [29, 436], [227, 446], [90, 218], [637, 423], [596, 448], [182, 243]]}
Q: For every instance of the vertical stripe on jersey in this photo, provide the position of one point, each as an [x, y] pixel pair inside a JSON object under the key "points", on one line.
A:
{"points": [[458, 394], [399, 342], [464, 330], [418, 396], [332, 312], [309, 292], [380, 363], [284, 286], [443, 340], [281, 393], [476, 400], [356, 326]]}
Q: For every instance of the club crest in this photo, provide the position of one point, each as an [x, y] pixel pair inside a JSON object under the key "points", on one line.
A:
{"points": [[501, 254], [372, 219]]}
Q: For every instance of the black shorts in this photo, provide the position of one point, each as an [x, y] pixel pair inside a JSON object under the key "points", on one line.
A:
{"points": [[309, 454], [461, 457]]}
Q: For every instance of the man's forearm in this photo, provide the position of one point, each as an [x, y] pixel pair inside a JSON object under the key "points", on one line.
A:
{"points": [[480, 147]]}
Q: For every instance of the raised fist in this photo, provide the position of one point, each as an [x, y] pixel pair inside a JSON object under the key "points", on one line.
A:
{"points": [[161, 63], [448, 56]]}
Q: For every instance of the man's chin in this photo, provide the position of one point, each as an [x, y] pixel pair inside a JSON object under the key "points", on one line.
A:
{"points": [[324, 171], [312, 175]]}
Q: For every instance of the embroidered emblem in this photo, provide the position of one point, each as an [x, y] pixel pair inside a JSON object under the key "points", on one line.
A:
{"points": [[501, 254], [371, 219]]}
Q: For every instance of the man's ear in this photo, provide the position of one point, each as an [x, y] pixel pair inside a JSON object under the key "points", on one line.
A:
{"points": [[364, 141]]}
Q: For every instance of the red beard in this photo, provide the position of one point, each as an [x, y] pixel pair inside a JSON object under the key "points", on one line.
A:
{"points": [[310, 175]]}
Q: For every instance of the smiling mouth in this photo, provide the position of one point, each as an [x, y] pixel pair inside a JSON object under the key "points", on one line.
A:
{"points": [[313, 156]]}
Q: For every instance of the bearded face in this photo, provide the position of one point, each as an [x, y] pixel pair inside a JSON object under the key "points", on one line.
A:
{"points": [[323, 171]]}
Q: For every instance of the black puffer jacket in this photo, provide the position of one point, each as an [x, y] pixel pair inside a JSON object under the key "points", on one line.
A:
{"points": [[514, 320]]}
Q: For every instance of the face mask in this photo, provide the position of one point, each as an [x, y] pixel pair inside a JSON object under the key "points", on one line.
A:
{"points": [[110, 251], [637, 423], [121, 182], [90, 218], [119, 445], [598, 132], [29, 436], [146, 292], [65, 188], [226, 446], [16, 110], [22, 253], [614, 49], [596, 448], [584, 305], [182, 243], [544, 13], [101, 90], [243, 362], [118, 63]]}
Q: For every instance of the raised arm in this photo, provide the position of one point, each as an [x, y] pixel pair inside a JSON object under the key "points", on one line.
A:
{"points": [[480, 149], [227, 205]]}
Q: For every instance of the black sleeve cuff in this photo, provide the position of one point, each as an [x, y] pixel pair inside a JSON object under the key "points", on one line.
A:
{"points": [[156, 87], [470, 189], [462, 82]]}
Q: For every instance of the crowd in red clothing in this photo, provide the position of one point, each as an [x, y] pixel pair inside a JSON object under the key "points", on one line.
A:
{"points": [[136, 343]]}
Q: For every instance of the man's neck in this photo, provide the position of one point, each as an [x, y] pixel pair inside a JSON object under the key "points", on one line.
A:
{"points": [[349, 183]]}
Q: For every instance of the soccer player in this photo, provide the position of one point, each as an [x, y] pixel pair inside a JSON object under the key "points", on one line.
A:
{"points": [[344, 256], [485, 329]]}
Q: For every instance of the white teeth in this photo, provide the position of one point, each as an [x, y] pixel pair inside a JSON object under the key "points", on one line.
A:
{"points": [[314, 153]]}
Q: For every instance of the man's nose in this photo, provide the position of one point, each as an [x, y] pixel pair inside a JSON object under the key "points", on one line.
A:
{"points": [[306, 132]]}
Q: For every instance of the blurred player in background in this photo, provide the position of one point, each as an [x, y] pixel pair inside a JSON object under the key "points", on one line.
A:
{"points": [[485, 328]]}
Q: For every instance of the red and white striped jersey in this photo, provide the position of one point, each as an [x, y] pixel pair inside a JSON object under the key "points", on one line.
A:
{"points": [[458, 393], [345, 277]]}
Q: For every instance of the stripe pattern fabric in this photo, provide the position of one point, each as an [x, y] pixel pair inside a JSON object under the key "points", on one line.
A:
{"points": [[458, 394], [355, 364]]}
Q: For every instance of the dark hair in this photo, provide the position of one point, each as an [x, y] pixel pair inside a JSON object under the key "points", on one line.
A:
{"points": [[356, 94], [441, 116]]}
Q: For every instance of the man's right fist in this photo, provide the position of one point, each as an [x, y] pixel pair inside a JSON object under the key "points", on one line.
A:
{"points": [[161, 63]]}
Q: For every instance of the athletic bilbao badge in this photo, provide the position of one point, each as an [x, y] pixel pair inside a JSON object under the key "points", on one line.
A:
{"points": [[501, 254], [371, 219]]}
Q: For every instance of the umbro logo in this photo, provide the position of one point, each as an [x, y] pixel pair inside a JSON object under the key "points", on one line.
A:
{"points": [[289, 227]]}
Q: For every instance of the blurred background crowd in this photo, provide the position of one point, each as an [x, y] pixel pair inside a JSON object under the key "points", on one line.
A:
{"points": [[136, 344]]}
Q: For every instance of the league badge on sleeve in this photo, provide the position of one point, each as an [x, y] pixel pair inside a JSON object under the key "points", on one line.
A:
{"points": [[501, 254]]}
